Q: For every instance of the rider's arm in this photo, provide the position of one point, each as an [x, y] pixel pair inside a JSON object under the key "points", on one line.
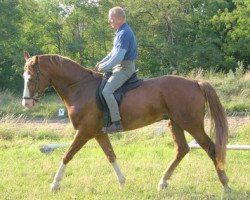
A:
{"points": [[106, 58], [116, 58]]}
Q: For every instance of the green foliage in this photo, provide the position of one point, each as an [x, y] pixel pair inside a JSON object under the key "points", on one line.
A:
{"points": [[10, 103], [233, 88], [174, 36], [234, 93], [233, 29], [9, 47]]}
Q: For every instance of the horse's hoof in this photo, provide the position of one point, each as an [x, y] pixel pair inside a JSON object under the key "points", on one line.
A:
{"points": [[122, 182], [227, 189], [162, 185], [55, 187]]}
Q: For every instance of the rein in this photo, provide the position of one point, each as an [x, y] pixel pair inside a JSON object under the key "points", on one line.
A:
{"points": [[64, 89], [36, 94]]}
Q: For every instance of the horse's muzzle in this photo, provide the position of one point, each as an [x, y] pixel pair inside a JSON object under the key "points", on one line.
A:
{"points": [[29, 103]]}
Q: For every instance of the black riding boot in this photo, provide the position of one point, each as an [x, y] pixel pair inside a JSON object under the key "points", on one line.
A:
{"points": [[114, 127]]}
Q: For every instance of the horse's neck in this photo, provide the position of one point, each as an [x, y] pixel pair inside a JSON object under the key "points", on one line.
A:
{"points": [[68, 77]]}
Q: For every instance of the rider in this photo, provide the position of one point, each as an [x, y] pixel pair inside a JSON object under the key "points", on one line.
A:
{"points": [[120, 61]]}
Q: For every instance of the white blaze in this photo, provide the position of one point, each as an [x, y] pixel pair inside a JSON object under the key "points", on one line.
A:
{"points": [[26, 92]]}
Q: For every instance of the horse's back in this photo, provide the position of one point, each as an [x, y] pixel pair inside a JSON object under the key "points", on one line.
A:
{"points": [[176, 97], [177, 86], [170, 85]]}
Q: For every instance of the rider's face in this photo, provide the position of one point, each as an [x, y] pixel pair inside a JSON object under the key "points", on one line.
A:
{"points": [[113, 21]]}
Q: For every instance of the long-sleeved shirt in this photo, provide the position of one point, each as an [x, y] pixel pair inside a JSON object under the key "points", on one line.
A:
{"points": [[124, 48]]}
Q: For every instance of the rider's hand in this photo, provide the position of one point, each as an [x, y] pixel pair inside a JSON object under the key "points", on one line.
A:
{"points": [[97, 67], [100, 69]]}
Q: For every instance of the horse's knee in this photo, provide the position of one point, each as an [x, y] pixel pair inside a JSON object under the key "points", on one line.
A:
{"points": [[182, 151], [67, 158]]}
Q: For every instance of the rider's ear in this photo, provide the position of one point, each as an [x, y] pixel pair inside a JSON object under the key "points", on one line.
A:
{"points": [[26, 55]]}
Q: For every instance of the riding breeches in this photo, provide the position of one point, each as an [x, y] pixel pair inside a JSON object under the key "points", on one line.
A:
{"points": [[117, 79]]}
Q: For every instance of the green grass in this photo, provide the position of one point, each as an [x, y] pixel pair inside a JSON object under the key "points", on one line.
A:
{"points": [[143, 155], [26, 173], [47, 107], [241, 136]]}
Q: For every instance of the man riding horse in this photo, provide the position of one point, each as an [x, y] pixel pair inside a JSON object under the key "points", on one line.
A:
{"points": [[120, 61]]}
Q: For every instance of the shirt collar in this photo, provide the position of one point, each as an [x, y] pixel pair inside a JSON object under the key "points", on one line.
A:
{"points": [[122, 26]]}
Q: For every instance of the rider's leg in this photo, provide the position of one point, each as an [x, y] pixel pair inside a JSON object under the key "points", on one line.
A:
{"points": [[121, 73], [114, 82]]}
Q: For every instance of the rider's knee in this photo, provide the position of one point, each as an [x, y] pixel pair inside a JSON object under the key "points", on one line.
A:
{"points": [[106, 92]]}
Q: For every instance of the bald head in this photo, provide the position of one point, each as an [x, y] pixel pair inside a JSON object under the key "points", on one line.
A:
{"points": [[116, 17], [118, 12]]}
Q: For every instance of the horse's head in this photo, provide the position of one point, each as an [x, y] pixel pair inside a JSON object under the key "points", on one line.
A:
{"points": [[35, 82]]}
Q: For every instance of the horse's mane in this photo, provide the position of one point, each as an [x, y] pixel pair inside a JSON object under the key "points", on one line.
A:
{"points": [[59, 59]]}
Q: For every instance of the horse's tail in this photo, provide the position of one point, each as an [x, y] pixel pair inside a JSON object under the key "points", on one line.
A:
{"points": [[219, 124]]}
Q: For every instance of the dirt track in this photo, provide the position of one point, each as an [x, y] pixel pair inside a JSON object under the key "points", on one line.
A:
{"points": [[234, 122]]}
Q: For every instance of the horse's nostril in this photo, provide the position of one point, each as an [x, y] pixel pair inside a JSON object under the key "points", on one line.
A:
{"points": [[28, 103]]}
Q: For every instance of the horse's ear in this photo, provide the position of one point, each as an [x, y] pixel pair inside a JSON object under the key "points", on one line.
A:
{"points": [[26, 55], [36, 61]]}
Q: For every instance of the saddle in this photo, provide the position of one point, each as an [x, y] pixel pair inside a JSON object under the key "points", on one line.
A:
{"points": [[132, 83]]}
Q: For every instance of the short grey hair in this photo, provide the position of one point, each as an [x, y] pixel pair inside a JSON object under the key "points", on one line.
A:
{"points": [[118, 11]]}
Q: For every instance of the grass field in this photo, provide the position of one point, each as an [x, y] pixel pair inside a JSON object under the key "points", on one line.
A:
{"points": [[143, 154]]}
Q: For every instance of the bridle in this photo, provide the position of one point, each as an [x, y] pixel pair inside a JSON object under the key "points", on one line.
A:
{"points": [[36, 93]]}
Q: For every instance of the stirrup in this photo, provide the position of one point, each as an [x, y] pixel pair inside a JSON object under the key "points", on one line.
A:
{"points": [[114, 127]]}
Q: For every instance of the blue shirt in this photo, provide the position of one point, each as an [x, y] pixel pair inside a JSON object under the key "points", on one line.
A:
{"points": [[125, 39], [124, 48]]}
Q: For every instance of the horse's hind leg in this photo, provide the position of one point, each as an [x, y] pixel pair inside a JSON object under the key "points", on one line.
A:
{"points": [[207, 144], [106, 146], [78, 142], [182, 149]]}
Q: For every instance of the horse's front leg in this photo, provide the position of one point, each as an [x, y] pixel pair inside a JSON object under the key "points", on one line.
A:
{"points": [[55, 185], [106, 146], [80, 139]]}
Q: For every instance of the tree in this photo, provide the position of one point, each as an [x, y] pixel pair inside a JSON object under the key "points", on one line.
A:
{"points": [[174, 36], [9, 35], [233, 27]]}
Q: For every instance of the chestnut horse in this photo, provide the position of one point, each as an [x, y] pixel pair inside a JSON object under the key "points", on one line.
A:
{"points": [[180, 100]]}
